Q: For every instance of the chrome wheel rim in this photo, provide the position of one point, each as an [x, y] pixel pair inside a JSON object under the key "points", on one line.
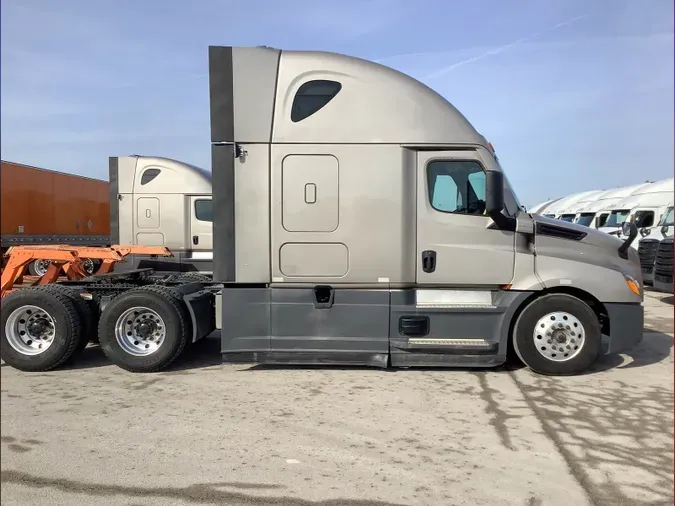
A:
{"points": [[140, 331], [41, 267], [88, 265], [30, 330], [559, 336]]}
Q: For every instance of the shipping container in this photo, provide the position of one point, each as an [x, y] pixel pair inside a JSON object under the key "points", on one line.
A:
{"points": [[41, 206]]}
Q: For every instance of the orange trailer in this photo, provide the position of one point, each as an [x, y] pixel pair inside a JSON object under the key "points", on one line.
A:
{"points": [[40, 207]]}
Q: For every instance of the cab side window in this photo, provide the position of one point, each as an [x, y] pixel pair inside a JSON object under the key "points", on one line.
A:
{"points": [[203, 210], [456, 186], [644, 219]]}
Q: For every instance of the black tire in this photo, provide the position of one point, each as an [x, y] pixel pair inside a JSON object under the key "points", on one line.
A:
{"points": [[66, 320], [524, 340], [194, 276], [169, 306], [87, 311]]}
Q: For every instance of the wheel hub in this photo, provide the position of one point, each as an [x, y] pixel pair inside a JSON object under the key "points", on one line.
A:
{"points": [[140, 331], [559, 336], [30, 330]]}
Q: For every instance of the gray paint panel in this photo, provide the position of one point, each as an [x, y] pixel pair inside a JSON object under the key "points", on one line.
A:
{"points": [[113, 189], [491, 324], [245, 320], [254, 74], [224, 241], [357, 321], [221, 87]]}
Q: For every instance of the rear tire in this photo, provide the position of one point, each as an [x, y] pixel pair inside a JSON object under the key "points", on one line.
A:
{"points": [[87, 311], [557, 334], [56, 310], [144, 329]]}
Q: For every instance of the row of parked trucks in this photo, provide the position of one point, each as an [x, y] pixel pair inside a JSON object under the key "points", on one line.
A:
{"points": [[649, 206], [338, 229]]}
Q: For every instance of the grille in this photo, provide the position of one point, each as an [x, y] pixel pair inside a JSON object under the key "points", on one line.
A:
{"points": [[663, 267], [647, 252]]}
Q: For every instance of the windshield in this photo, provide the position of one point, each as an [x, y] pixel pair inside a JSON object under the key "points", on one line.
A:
{"points": [[567, 217], [617, 218], [585, 219], [667, 218]]}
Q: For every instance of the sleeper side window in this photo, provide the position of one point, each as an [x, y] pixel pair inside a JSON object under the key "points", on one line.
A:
{"points": [[313, 96], [456, 186], [203, 210], [149, 175]]}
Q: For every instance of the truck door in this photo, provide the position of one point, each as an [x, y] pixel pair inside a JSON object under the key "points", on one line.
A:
{"points": [[456, 244], [201, 223]]}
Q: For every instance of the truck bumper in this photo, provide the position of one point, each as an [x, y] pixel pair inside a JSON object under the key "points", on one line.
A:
{"points": [[626, 323]]}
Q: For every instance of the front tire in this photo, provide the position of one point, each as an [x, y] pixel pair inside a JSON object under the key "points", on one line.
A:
{"points": [[144, 329], [40, 329], [557, 334]]}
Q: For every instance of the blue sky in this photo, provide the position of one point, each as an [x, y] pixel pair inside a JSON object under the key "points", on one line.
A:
{"points": [[574, 94]]}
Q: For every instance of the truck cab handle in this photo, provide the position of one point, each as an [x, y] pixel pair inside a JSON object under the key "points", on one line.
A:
{"points": [[428, 261], [195, 239]]}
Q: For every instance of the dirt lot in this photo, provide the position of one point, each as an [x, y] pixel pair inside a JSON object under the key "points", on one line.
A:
{"points": [[204, 433]]}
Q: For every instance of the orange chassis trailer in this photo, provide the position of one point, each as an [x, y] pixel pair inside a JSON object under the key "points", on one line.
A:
{"points": [[67, 258]]}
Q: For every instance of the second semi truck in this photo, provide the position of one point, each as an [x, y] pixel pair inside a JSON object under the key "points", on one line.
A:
{"points": [[358, 218]]}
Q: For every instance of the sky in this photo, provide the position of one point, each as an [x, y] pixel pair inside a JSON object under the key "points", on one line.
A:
{"points": [[574, 94]]}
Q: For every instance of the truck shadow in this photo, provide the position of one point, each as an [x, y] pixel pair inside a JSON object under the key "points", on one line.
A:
{"points": [[654, 348], [204, 353]]}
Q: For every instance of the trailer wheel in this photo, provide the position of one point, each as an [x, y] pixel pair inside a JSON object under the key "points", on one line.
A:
{"points": [[557, 334], [87, 311], [38, 267], [144, 329], [40, 329]]}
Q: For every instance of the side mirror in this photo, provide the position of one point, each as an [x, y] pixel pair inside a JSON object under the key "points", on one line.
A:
{"points": [[664, 230], [629, 229], [494, 192], [494, 201], [644, 232]]}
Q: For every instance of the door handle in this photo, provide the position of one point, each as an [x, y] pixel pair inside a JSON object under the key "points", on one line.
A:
{"points": [[195, 239], [429, 261]]}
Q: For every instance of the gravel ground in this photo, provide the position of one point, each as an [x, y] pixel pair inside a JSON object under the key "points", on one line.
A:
{"points": [[206, 433]]}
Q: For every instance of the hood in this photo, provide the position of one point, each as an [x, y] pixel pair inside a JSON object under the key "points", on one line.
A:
{"points": [[575, 232], [572, 239]]}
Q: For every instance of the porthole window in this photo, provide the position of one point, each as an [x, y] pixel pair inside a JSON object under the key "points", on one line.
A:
{"points": [[311, 97]]}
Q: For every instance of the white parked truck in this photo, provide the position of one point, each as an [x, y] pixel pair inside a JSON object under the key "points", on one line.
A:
{"points": [[595, 214], [358, 218]]}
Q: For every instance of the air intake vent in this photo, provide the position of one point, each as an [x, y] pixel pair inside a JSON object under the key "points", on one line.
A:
{"points": [[559, 232]]}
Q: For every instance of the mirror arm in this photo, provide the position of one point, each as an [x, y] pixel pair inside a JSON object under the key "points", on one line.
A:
{"points": [[503, 222]]}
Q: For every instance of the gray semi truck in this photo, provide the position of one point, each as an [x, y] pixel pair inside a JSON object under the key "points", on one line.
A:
{"points": [[156, 201], [358, 218]]}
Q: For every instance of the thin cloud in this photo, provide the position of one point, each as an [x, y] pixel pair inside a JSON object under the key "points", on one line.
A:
{"points": [[504, 48]]}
